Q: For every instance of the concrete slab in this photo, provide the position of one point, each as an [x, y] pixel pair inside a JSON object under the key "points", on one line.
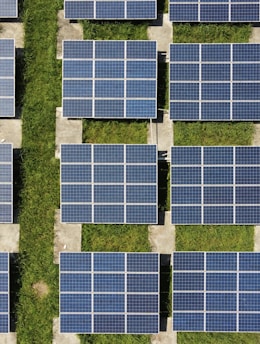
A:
{"points": [[9, 238], [67, 237], [15, 31], [255, 35], [257, 239], [168, 337], [161, 132], [8, 338], [67, 131], [161, 31], [67, 30], [11, 131], [162, 237], [58, 338]]}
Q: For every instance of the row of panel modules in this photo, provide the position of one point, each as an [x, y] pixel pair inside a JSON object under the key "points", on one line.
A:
{"points": [[179, 10], [118, 183], [121, 292], [118, 80]]}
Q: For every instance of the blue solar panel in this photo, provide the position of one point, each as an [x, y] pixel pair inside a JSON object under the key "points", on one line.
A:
{"points": [[108, 183], [214, 82], [7, 77], [215, 185], [110, 79], [8, 8], [216, 291], [6, 183], [98, 9], [112, 293], [4, 292], [214, 11]]}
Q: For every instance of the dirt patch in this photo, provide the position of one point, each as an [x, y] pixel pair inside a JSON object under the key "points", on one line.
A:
{"points": [[41, 289]]}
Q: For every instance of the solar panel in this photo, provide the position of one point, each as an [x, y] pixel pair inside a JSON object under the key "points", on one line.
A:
{"points": [[4, 292], [215, 185], [109, 79], [109, 292], [216, 291], [108, 183], [214, 11], [215, 82], [7, 78], [6, 183], [8, 9], [110, 9]]}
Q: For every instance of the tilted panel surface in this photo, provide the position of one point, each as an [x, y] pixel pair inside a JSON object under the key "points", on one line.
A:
{"points": [[110, 9], [109, 79], [8, 8], [109, 293], [7, 78], [108, 183], [216, 291], [6, 183], [4, 293], [215, 82], [215, 185], [216, 11]]}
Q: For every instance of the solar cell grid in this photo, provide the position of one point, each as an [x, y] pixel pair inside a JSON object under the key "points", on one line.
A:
{"points": [[109, 183], [109, 79], [214, 11], [214, 82], [6, 183], [8, 8], [4, 292], [110, 9], [221, 295], [7, 77], [215, 185], [117, 293]]}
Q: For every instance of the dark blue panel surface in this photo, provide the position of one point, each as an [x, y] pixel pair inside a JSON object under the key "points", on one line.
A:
{"points": [[142, 262], [108, 153], [77, 69], [141, 194], [188, 301], [184, 72], [218, 215], [249, 281], [112, 303], [109, 262], [221, 322], [141, 154], [246, 91], [110, 9], [244, 12], [246, 52], [221, 282], [141, 214], [5, 173], [216, 53], [75, 153], [183, 12], [142, 303], [188, 261], [186, 175], [186, 215], [108, 173], [215, 111], [185, 155], [108, 214], [109, 49], [76, 174], [215, 72], [141, 69], [249, 302], [218, 155], [75, 323], [75, 303], [221, 261], [218, 195], [77, 108], [248, 215], [221, 302], [75, 282], [76, 193], [109, 108], [141, 108], [6, 68], [249, 322], [184, 52], [249, 261], [79, 9], [109, 193], [109, 323], [141, 10], [141, 174], [76, 213], [246, 111], [4, 258], [142, 283], [188, 322], [214, 12], [243, 72], [218, 175], [143, 324], [188, 280], [248, 195], [215, 91], [4, 303], [186, 111], [109, 69], [4, 282], [75, 261], [184, 91], [77, 49], [109, 89], [186, 195], [141, 50], [248, 155], [109, 282], [140, 89], [248, 175]]}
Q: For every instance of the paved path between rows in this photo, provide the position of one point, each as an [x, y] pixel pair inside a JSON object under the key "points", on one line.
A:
{"points": [[13, 30], [67, 30], [66, 338]]}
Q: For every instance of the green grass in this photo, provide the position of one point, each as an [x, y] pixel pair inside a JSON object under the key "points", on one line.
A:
{"points": [[114, 339], [40, 173], [218, 338], [105, 131], [211, 33]]}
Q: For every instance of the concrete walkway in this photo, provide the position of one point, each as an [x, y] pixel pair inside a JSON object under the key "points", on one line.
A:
{"points": [[11, 131], [161, 31], [67, 131], [67, 338], [67, 30], [167, 337], [13, 30], [162, 237]]}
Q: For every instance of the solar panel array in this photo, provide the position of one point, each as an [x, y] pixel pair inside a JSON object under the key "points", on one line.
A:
{"points": [[214, 11], [215, 82], [112, 183], [8, 8], [216, 291], [6, 183], [215, 185], [4, 292], [110, 9], [109, 79], [7, 78], [109, 292]]}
